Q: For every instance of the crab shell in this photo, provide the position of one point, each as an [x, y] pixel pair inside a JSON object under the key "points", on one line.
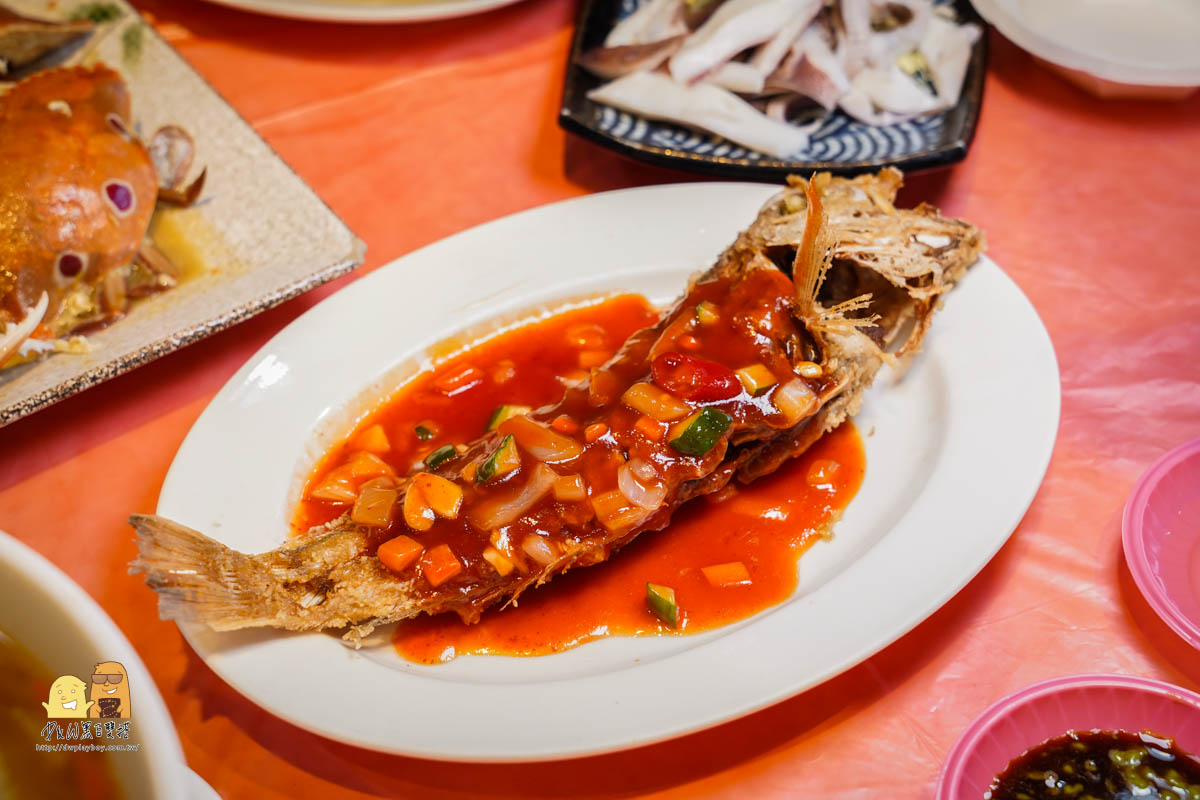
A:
{"points": [[77, 188]]}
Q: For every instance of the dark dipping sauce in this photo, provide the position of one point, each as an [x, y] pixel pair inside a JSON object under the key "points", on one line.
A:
{"points": [[1101, 765]]}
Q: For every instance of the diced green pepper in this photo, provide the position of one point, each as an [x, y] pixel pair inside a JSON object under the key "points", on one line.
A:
{"points": [[661, 600], [423, 433], [757, 379], [503, 461], [697, 434], [440, 456], [504, 412], [707, 313]]}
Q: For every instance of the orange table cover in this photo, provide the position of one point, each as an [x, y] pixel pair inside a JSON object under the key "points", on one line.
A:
{"points": [[412, 133]]}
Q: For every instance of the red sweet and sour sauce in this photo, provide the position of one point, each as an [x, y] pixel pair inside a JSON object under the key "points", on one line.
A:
{"points": [[765, 526]]}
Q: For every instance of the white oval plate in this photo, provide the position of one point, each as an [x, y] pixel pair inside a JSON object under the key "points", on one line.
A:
{"points": [[366, 10], [955, 452], [1131, 42]]}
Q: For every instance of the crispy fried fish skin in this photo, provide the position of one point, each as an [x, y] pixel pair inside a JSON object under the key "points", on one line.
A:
{"points": [[865, 278]]}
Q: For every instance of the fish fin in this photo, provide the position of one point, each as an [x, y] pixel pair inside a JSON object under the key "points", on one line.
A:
{"points": [[814, 257], [196, 578]]}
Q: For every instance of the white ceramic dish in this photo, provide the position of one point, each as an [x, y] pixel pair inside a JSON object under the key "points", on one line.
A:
{"points": [[366, 10], [955, 452], [258, 236], [1113, 48], [51, 616]]}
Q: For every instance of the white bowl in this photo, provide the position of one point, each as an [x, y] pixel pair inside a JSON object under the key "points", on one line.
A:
{"points": [[56, 620], [1143, 49]]}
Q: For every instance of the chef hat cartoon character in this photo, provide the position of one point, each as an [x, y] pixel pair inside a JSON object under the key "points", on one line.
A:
{"points": [[110, 691], [66, 699]]}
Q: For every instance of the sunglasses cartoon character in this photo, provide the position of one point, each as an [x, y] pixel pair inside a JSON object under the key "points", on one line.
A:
{"points": [[109, 691]]}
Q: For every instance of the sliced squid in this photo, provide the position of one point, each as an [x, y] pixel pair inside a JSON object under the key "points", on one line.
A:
{"points": [[811, 69], [613, 62], [702, 105], [734, 27], [653, 21]]}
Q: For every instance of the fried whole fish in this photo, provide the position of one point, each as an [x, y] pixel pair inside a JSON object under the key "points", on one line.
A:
{"points": [[828, 283]]}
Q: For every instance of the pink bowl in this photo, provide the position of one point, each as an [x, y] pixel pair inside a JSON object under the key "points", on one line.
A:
{"points": [[1161, 534], [1051, 708]]}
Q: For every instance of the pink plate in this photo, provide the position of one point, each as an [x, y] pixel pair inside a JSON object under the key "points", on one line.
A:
{"points": [[1161, 534], [1051, 708]]}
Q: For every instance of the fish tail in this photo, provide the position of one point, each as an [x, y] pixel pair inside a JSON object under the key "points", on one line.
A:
{"points": [[197, 579]]}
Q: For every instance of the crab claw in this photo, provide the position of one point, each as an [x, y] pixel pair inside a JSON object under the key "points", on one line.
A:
{"points": [[15, 335]]}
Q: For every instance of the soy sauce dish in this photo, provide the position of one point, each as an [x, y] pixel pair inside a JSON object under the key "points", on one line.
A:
{"points": [[1103, 737]]}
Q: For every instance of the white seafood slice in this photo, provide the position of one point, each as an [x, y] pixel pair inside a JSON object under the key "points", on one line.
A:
{"points": [[15, 334], [812, 69], [886, 94], [947, 49], [766, 59], [737, 77], [734, 27], [653, 21], [861, 47], [702, 105]]}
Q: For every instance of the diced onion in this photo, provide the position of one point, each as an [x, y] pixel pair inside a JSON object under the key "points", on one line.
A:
{"points": [[648, 493], [795, 400], [494, 513], [654, 402], [539, 441], [539, 549]]}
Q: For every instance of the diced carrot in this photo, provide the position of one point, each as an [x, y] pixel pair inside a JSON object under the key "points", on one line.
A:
{"points": [[570, 488], [498, 561], [374, 507], [440, 565], [564, 424], [418, 514], [732, 574], [458, 379], [334, 492], [373, 440], [688, 342], [652, 429], [593, 358], [504, 371], [594, 431], [615, 512], [443, 496], [603, 387], [586, 334], [468, 472], [368, 465], [398, 553]]}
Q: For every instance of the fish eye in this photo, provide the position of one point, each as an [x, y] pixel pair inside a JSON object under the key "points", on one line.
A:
{"points": [[68, 265], [120, 197]]}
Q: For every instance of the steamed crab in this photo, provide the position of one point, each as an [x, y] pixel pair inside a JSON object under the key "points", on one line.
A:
{"points": [[77, 192]]}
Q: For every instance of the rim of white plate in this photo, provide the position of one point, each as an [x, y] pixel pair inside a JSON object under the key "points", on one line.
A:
{"points": [[1010, 23], [371, 13], [280, 395]]}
